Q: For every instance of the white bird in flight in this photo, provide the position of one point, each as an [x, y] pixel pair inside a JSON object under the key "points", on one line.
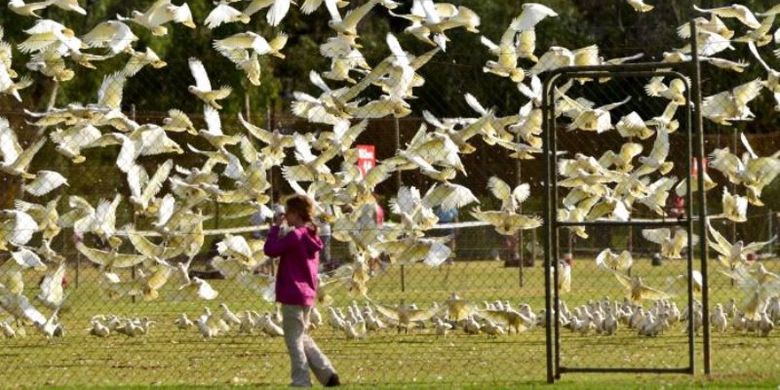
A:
{"points": [[737, 11], [732, 105], [7, 85], [506, 51], [17, 228], [638, 291], [587, 118], [15, 160], [734, 206], [752, 171], [616, 262], [19, 7], [656, 160], [733, 255], [510, 198], [772, 83], [224, 13], [758, 285], [671, 246], [45, 182], [202, 88], [160, 13], [114, 35], [532, 14], [640, 6]]}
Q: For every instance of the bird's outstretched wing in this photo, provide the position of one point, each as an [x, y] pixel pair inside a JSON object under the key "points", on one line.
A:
{"points": [[623, 279], [387, 311], [653, 294], [422, 314], [604, 258], [757, 246], [199, 73], [499, 188], [720, 243], [511, 317], [459, 309], [656, 235]]}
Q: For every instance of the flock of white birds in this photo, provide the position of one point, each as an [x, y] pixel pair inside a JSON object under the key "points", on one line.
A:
{"points": [[171, 198], [602, 317]]}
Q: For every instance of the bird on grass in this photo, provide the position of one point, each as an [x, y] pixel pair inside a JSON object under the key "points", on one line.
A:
{"points": [[183, 322], [98, 329], [758, 285], [405, 315], [514, 320]]}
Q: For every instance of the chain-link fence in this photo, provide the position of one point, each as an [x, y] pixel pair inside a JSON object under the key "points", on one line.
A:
{"points": [[134, 230]]}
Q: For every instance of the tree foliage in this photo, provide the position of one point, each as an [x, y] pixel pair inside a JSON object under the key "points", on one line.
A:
{"points": [[614, 26]]}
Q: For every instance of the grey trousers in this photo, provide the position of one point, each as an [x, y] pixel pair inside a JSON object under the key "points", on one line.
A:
{"points": [[304, 353]]}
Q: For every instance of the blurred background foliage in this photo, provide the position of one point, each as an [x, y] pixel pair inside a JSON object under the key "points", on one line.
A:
{"points": [[611, 24]]}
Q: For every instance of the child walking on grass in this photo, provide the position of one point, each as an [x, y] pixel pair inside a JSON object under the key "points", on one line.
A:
{"points": [[296, 289]]}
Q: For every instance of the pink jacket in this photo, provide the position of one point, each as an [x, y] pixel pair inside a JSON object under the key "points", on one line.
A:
{"points": [[296, 280]]}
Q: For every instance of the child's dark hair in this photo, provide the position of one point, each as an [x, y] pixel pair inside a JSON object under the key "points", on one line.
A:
{"points": [[303, 206]]}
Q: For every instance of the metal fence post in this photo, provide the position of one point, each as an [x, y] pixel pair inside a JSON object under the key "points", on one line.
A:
{"points": [[78, 268], [269, 127], [399, 183], [133, 269], [548, 210], [554, 243], [770, 230], [520, 254], [735, 141], [699, 130]]}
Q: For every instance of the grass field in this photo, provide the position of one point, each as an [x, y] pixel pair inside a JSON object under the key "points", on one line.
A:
{"points": [[181, 358]]}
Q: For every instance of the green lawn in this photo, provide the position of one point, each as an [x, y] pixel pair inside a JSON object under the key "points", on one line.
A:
{"points": [[173, 358]]}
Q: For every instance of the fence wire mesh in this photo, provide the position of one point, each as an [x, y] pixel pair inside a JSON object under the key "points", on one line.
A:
{"points": [[136, 201], [644, 304]]}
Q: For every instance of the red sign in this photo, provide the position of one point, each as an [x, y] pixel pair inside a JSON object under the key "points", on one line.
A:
{"points": [[366, 158]]}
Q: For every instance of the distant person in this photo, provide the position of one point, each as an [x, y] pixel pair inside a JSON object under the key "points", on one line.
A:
{"points": [[380, 262], [325, 232], [296, 289], [379, 214], [448, 216], [511, 245], [677, 209]]}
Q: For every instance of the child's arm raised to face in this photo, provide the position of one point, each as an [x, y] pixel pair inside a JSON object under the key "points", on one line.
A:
{"points": [[275, 246]]}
